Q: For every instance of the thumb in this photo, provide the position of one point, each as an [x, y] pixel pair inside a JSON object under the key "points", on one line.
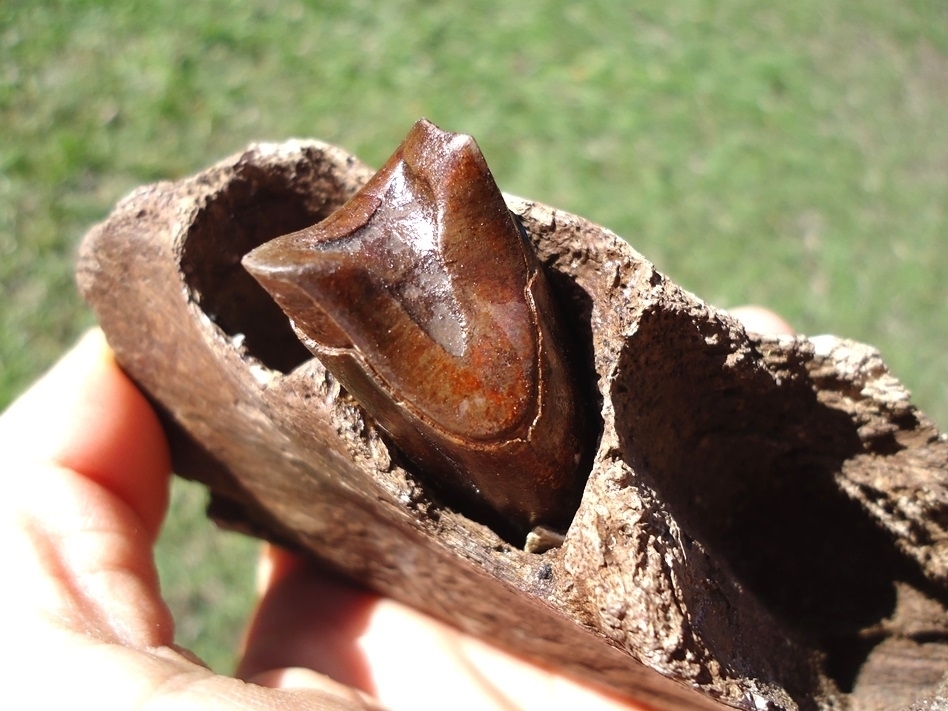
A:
{"points": [[86, 470]]}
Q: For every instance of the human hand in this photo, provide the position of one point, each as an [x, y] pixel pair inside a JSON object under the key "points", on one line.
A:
{"points": [[757, 319], [86, 492]]}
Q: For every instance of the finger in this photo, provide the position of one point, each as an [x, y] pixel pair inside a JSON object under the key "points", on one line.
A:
{"points": [[757, 319], [86, 467], [56, 671], [307, 618], [85, 415], [390, 651]]}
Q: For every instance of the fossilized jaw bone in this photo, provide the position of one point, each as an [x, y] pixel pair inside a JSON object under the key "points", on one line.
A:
{"points": [[424, 298], [642, 596]]}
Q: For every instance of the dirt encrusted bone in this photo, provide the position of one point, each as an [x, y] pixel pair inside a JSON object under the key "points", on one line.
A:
{"points": [[764, 521]]}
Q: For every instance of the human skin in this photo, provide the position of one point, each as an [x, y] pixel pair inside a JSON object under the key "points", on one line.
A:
{"points": [[87, 476]]}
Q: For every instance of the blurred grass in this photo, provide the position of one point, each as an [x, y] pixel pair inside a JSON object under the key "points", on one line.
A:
{"points": [[794, 156]]}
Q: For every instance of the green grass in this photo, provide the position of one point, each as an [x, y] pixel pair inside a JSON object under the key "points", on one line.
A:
{"points": [[794, 157]]}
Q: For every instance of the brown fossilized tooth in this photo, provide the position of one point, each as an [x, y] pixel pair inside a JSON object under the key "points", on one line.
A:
{"points": [[423, 297]]}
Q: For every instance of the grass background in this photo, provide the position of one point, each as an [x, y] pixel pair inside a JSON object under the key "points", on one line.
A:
{"points": [[793, 155]]}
